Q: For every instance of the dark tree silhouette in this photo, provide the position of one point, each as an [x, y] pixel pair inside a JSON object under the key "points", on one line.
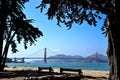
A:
{"points": [[77, 11], [14, 28]]}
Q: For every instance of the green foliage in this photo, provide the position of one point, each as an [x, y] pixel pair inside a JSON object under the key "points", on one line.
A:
{"points": [[70, 11], [17, 25], [13, 23], [26, 32]]}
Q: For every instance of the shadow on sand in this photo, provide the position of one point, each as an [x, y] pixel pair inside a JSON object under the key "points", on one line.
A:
{"points": [[34, 75]]}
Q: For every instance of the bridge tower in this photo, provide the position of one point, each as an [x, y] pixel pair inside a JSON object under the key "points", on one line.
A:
{"points": [[96, 56], [15, 60], [23, 60], [45, 55]]}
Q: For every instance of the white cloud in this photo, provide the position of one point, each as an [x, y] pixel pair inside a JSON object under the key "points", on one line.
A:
{"points": [[57, 51]]}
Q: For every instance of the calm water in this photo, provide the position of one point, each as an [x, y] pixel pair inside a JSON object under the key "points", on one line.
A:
{"points": [[81, 65]]}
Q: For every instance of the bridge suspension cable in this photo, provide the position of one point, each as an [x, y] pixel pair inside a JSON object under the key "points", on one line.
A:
{"points": [[35, 53], [52, 51]]}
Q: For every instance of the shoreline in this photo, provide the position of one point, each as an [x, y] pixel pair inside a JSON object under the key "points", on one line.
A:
{"points": [[35, 68], [88, 74]]}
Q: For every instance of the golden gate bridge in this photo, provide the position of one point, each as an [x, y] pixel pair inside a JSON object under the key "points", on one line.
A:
{"points": [[22, 60]]}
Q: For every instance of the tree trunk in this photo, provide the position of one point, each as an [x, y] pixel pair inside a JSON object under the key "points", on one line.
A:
{"points": [[114, 40], [1, 42], [114, 46], [114, 55], [1, 46], [3, 18], [2, 28]]}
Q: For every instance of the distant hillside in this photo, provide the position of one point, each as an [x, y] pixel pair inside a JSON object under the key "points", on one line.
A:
{"points": [[97, 55], [77, 58], [98, 58], [62, 57]]}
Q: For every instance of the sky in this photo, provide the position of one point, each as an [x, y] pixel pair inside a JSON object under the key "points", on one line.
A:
{"points": [[82, 40]]}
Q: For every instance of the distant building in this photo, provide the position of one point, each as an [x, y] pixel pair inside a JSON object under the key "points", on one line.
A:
{"points": [[8, 60]]}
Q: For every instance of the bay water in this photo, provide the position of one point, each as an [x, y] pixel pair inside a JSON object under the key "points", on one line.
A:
{"points": [[79, 65]]}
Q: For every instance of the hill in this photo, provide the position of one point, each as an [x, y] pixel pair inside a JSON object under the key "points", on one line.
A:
{"points": [[63, 58], [98, 58], [77, 58]]}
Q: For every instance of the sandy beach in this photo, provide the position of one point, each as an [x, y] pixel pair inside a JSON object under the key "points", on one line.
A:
{"points": [[23, 73]]}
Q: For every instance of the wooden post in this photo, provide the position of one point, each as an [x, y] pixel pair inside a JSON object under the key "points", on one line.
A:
{"points": [[45, 54]]}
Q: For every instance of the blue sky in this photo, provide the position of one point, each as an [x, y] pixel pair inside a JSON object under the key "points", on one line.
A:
{"points": [[80, 40]]}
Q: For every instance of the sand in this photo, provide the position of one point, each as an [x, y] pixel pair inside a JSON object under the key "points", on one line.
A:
{"points": [[21, 73]]}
